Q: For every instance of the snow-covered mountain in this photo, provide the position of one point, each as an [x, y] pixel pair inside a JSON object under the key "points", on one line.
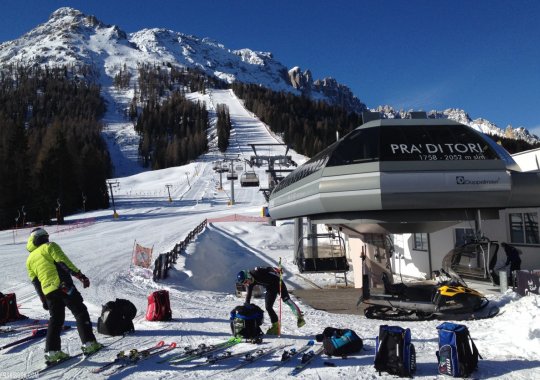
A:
{"points": [[73, 38], [480, 124], [70, 37]]}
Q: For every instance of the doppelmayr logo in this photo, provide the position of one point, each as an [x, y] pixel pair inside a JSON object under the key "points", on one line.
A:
{"points": [[461, 180]]}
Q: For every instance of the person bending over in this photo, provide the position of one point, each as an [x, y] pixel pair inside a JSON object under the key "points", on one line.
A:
{"points": [[269, 278]]}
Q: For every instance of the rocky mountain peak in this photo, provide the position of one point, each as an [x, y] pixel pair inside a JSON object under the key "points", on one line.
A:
{"points": [[70, 37]]}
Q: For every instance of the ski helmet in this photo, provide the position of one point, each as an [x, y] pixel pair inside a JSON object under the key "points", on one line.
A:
{"points": [[242, 276], [39, 236]]}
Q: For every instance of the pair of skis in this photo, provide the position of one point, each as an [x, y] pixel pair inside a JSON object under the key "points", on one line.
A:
{"points": [[248, 357], [191, 354], [306, 360], [257, 355], [290, 354], [133, 357], [226, 355]]}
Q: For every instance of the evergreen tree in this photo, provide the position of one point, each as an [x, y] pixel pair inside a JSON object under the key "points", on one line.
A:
{"points": [[50, 142]]}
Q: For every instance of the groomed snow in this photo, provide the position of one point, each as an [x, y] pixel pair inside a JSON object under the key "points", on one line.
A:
{"points": [[201, 285]]}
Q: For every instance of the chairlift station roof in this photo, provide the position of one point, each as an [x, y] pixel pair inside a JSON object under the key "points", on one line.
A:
{"points": [[405, 175]]}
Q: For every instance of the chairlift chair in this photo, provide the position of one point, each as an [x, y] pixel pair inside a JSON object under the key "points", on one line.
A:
{"points": [[476, 259], [326, 258], [249, 179]]}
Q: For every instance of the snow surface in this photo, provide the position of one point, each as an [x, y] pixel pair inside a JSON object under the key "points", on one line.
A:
{"points": [[201, 285]]}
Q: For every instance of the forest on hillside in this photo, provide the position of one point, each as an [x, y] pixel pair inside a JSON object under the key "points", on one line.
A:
{"points": [[172, 129], [307, 126], [54, 160]]}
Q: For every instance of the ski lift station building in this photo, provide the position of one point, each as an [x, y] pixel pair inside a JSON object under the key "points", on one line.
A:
{"points": [[410, 190]]}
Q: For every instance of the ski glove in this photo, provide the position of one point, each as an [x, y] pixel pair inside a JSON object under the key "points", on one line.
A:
{"points": [[37, 286], [82, 278]]}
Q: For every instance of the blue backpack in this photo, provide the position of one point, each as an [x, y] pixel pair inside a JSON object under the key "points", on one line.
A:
{"points": [[340, 342], [395, 353], [457, 355]]}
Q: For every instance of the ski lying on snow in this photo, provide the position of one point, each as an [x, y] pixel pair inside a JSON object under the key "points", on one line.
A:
{"points": [[35, 324], [289, 354], [133, 357], [122, 356], [251, 358], [307, 358], [35, 334], [190, 354], [213, 359], [134, 360]]}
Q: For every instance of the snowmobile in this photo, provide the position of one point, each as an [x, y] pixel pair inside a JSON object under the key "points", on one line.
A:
{"points": [[447, 297]]}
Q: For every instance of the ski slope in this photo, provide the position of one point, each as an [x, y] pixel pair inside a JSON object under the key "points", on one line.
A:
{"points": [[201, 285]]}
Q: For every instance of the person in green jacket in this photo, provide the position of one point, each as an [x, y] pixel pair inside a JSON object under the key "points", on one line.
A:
{"points": [[50, 271]]}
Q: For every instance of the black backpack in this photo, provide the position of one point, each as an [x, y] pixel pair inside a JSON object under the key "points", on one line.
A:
{"points": [[117, 317], [246, 321], [340, 342], [457, 355], [395, 353]]}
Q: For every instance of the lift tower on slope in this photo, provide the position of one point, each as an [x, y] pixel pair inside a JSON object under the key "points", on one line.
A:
{"points": [[272, 160]]}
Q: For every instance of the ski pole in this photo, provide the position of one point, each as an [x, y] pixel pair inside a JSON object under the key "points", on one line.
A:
{"points": [[280, 281]]}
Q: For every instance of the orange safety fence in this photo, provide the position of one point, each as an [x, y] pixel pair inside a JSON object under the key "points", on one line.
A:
{"points": [[239, 218]]}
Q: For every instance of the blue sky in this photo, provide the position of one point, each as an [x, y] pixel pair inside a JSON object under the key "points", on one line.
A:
{"points": [[482, 56]]}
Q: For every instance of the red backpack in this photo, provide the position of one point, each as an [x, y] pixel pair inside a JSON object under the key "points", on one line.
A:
{"points": [[8, 308], [159, 307]]}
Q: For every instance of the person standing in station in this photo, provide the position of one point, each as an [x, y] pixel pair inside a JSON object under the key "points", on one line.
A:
{"points": [[512, 258]]}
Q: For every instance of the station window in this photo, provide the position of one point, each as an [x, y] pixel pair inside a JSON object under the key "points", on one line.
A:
{"points": [[462, 236], [524, 227], [420, 242], [359, 146]]}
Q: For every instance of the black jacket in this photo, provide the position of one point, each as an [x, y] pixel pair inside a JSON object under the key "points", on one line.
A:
{"points": [[264, 276]]}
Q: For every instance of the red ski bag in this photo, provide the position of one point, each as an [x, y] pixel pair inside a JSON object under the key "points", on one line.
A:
{"points": [[8, 308], [159, 307]]}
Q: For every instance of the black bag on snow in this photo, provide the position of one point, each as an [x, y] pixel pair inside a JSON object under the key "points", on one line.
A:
{"points": [[394, 352], [340, 342], [457, 355], [117, 317], [246, 321]]}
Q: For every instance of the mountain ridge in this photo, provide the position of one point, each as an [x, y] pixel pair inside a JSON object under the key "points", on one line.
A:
{"points": [[69, 37]]}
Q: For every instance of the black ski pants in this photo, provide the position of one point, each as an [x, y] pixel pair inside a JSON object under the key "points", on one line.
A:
{"points": [[57, 302], [270, 298]]}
